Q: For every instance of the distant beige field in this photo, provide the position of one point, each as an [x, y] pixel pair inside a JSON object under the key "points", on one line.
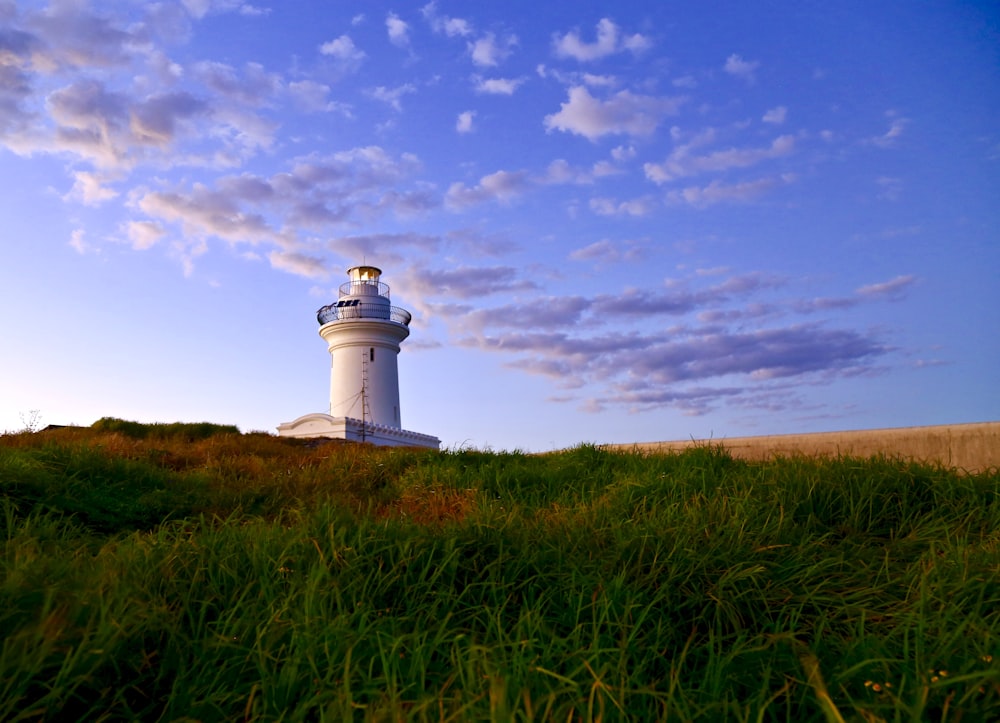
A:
{"points": [[969, 447]]}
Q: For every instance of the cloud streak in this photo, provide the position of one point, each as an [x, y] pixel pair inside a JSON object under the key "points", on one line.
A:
{"points": [[580, 341], [682, 162]]}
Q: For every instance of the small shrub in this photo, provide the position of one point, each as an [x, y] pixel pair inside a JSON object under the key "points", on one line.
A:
{"points": [[177, 430]]}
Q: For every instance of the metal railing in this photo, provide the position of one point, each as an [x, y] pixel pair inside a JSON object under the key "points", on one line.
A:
{"points": [[346, 311], [365, 287]]}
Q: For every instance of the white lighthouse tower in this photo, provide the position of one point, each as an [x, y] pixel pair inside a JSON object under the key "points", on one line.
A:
{"points": [[363, 332]]}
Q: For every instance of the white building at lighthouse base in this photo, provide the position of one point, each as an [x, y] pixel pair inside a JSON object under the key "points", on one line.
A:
{"points": [[323, 425]]}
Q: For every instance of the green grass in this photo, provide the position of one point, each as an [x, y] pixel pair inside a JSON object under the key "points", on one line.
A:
{"points": [[187, 572]]}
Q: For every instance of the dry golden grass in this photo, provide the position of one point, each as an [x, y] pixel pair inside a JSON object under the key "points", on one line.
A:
{"points": [[966, 447]]}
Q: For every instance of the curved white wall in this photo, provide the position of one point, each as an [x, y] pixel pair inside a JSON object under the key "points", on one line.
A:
{"points": [[350, 342]]}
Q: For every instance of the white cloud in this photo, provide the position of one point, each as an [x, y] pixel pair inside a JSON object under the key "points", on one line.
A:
{"points": [[143, 234], [623, 113], [890, 189], [92, 120], [609, 41], [636, 43], [571, 46], [310, 95], [560, 171], [203, 212], [297, 263], [890, 137], [342, 48], [197, 8], [74, 95], [776, 115], [88, 189], [241, 133], [600, 81], [443, 24], [623, 153], [605, 168], [392, 96], [464, 122], [253, 10], [462, 282], [487, 52], [891, 288], [718, 192], [607, 251], [155, 120], [682, 163], [314, 193], [399, 30], [457, 26], [740, 68], [68, 36], [77, 241], [163, 69], [501, 186], [612, 207], [186, 250], [497, 86]]}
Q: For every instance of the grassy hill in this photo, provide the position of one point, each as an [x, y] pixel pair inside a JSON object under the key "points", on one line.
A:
{"points": [[188, 572]]}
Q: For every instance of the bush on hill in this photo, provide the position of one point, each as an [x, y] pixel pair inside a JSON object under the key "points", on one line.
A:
{"points": [[177, 430]]}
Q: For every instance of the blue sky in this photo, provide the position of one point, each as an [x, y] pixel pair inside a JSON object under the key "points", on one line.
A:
{"points": [[612, 222]]}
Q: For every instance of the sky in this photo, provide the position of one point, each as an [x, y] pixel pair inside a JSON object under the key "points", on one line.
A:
{"points": [[612, 222]]}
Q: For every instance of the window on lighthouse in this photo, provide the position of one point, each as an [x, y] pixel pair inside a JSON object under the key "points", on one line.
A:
{"points": [[371, 354]]}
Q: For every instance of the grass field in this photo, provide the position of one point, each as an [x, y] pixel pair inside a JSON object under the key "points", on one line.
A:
{"points": [[187, 572]]}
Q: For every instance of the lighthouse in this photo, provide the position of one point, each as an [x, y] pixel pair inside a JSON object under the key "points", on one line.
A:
{"points": [[363, 331]]}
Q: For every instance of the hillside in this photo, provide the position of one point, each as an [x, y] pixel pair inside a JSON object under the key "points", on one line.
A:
{"points": [[188, 572]]}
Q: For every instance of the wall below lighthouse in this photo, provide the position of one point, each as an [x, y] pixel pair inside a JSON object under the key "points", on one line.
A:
{"points": [[311, 426]]}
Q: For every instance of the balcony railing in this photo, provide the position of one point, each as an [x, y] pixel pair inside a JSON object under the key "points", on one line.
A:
{"points": [[364, 287], [348, 309]]}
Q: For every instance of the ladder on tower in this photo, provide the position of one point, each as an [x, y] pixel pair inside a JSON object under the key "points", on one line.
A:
{"points": [[366, 411]]}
